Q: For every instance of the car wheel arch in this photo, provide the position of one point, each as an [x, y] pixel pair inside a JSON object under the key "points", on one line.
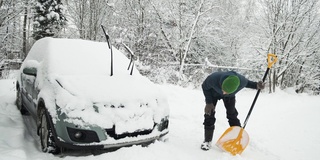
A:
{"points": [[41, 109], [41, 106]]}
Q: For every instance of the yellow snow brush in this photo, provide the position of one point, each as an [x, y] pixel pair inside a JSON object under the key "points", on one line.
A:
{"points": [[235, 139]]}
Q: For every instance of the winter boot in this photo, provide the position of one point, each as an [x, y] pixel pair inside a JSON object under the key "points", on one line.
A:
{"points": [[206, 146], [208, 134]]}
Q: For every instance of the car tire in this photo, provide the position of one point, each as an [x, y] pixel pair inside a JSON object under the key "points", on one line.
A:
{"points": [[19, 103], [46, 136]]}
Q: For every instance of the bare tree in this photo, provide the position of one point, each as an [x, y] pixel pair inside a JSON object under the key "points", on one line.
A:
{"points": [[182, 41], [87, 16], [293, 28], [191, 34], [10, 11]]}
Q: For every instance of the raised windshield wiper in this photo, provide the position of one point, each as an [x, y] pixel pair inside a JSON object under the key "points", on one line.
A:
{"points": [[131, 64], [110, 47]]}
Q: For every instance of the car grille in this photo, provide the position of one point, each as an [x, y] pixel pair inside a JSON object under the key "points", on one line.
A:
{"points": [[112, 133]]}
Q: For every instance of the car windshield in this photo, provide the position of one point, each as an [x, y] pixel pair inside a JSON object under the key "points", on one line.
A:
{"points": [[78, 58]]}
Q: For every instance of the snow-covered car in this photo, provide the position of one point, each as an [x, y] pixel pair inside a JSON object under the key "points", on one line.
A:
{"points": [[79, 102]]}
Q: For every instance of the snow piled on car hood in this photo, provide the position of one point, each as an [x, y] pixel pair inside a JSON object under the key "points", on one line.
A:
{"points": [[128, 102], [75, 74]]}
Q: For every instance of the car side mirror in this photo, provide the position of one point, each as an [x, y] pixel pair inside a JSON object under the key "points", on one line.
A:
{"points": [[30, 71]]}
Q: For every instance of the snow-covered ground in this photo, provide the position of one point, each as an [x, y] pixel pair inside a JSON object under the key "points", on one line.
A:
{"points": [[283, 126]]}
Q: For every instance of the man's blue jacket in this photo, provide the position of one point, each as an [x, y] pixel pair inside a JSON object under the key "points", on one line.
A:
{"points": [[212, 85]]}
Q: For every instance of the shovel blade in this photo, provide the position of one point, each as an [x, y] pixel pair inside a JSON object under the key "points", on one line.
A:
{"points": [[234, 140]]}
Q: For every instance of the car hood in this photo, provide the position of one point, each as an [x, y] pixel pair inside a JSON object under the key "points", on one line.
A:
{"points": [[108, 88], [111, 100]]}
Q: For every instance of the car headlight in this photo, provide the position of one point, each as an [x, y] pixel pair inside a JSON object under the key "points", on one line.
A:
{"points": [[163, 124]]}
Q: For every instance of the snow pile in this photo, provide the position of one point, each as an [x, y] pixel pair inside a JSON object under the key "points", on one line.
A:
{"points": [[283, 126]]}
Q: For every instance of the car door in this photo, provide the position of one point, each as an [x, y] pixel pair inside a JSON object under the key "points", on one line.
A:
{"points": [[29, 89]]}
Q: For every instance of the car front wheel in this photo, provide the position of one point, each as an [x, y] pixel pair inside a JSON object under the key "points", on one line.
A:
{"points": [[46, 136]]}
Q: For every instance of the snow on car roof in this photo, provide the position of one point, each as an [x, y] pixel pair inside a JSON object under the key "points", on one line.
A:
{"points": [[76, 56]]}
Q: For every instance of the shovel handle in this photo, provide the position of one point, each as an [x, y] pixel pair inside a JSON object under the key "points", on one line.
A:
{"points": [[272, 58]]}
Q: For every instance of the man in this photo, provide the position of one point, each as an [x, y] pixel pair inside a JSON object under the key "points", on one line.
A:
{"points": [[223, 85]]}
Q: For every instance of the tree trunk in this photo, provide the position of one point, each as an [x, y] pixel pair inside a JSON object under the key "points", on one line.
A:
{"points": [[24, 36], [187, 46]]}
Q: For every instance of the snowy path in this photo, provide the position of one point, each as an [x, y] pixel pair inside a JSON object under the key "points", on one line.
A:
{"points": [[283, 126]]}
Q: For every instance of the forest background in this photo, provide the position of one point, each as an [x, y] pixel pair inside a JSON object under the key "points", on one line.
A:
{"points": [[179, 41]]}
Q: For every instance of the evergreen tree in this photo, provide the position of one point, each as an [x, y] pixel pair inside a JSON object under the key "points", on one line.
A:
{"points": [[48, 19]]}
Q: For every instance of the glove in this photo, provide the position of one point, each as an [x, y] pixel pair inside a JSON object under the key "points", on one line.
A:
{"points": [[209, 108], [261, 85]]}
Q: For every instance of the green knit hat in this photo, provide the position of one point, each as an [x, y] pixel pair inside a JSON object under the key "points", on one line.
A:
{"points": [[230, 84]]}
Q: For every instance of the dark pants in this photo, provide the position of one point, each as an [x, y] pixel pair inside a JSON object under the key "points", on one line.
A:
{"points": [[232, 114]]}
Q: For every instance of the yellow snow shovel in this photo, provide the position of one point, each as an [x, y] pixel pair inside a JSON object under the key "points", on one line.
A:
{"points": [[235, 139]]}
